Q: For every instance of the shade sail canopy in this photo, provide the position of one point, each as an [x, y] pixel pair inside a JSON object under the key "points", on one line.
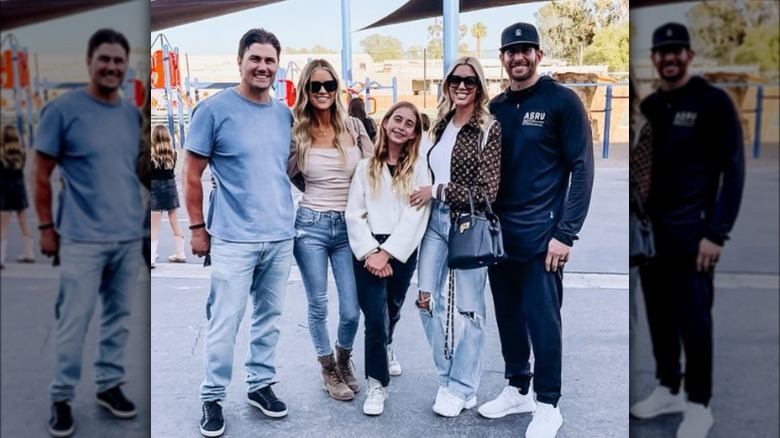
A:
{"points": [[170, 13], [419, 9], [18, 13]]}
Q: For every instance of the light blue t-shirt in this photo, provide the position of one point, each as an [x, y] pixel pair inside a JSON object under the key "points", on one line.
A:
{"points": [[248, 145], [97, 145]]}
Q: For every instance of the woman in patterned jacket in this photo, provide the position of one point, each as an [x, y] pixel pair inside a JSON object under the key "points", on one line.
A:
{"points": [[460, 159]]}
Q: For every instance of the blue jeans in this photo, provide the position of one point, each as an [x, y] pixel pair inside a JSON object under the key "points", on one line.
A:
{"points": [[259, 270], [89, 271], [319, 236], [461, 373]]}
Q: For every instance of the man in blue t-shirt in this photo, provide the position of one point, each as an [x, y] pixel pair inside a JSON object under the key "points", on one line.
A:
{"points": [[93, 135], [244, 136], [542, 201]]}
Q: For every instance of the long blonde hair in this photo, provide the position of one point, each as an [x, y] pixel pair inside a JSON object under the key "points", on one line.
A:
{"points": [[446, 105], [11, 153], [162, 150], [303, 112], [403, 177]]}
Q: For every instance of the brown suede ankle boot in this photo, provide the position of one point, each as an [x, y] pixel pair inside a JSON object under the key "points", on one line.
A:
{"points": [[344, 363], [332, 381]]}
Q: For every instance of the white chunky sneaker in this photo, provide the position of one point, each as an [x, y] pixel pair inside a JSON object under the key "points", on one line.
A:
{"points": [[375, 398], [697, 421], [510, 401], [660, 401], [393, 365], [450, 405], [545, 423]]}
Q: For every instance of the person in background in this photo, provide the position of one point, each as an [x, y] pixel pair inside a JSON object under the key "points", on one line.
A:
{"points": [[357, 109], [13, 193], [165, 196], [384, 232]]}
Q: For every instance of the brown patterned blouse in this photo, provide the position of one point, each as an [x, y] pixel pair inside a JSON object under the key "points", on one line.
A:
{"points": [[470, 167]]}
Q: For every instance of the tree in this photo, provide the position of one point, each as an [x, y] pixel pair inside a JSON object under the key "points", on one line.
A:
{"points": [[479, 31], [609, 47], [321, 49], [382, 47], [414, 52], [719, 28], [436, 39], [762, 47], [566, 28]]}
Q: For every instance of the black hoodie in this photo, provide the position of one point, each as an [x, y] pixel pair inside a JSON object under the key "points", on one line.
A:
{"points": [[698, 164], [546, 139]]}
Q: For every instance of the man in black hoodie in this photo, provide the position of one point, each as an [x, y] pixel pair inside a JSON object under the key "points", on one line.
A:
{"points": [[697, 181], [543, 198]]}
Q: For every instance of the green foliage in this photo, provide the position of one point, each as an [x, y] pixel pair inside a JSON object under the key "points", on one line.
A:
{"points": [[382, 47], [568, 27], [761, 46], [610, 47], [479, 31], [303, 50], [414, 52], [718, 29]]}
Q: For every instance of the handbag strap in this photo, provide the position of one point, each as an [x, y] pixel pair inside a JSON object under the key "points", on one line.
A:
{"points": [[449, 327], [488, 208]]}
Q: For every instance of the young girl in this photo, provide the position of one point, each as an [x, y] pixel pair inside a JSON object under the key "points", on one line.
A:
{"points": [[328, 147], [165, 197], [13, 194], [384, 231]]}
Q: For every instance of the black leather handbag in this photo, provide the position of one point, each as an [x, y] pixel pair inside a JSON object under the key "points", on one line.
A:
{"points": [[641, 245], [475, 239]]}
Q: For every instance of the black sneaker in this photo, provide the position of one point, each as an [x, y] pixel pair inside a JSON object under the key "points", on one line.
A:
{"points": [[265, 400], [212, 423], [113, 400], [61, 422]]}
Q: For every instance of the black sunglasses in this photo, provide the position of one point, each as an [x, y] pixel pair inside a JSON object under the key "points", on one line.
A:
{"points": [[469, 81], [315, 86]]}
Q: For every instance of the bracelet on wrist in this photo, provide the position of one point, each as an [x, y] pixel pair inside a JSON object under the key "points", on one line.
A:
{"points": [[196, 226], [46, 226]]}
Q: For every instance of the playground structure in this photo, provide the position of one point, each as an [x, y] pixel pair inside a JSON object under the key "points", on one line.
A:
{"points": [[25, 93]]}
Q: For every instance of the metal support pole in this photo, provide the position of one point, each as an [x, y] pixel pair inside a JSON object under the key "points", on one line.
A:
{"points": [[168, 93], [451, 10], [395, 90], [759, 110], [425, 78], [607, 116], [346, 41], [367, 86]]}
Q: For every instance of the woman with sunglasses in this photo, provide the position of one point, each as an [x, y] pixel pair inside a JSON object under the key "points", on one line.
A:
{"points": [[465, 156], [384, 232], [327, 148]]}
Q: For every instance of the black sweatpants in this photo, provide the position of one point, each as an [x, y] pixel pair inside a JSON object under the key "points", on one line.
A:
{"points": [[679, 312], [528, 303]]}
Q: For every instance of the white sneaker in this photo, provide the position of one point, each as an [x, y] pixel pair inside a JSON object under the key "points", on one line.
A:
{"points": [[697, 421], [375, 398], [510, 401], [545, 423], [449, 404], [470, 403], [393, 366], [660, 401]]}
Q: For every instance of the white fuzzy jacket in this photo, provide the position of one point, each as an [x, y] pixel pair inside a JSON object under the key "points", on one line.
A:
{"points": [[386, 213]]}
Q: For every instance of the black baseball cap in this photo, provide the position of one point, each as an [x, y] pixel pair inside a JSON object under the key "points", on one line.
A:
{"points": [[671, 34], [519, 33]]}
